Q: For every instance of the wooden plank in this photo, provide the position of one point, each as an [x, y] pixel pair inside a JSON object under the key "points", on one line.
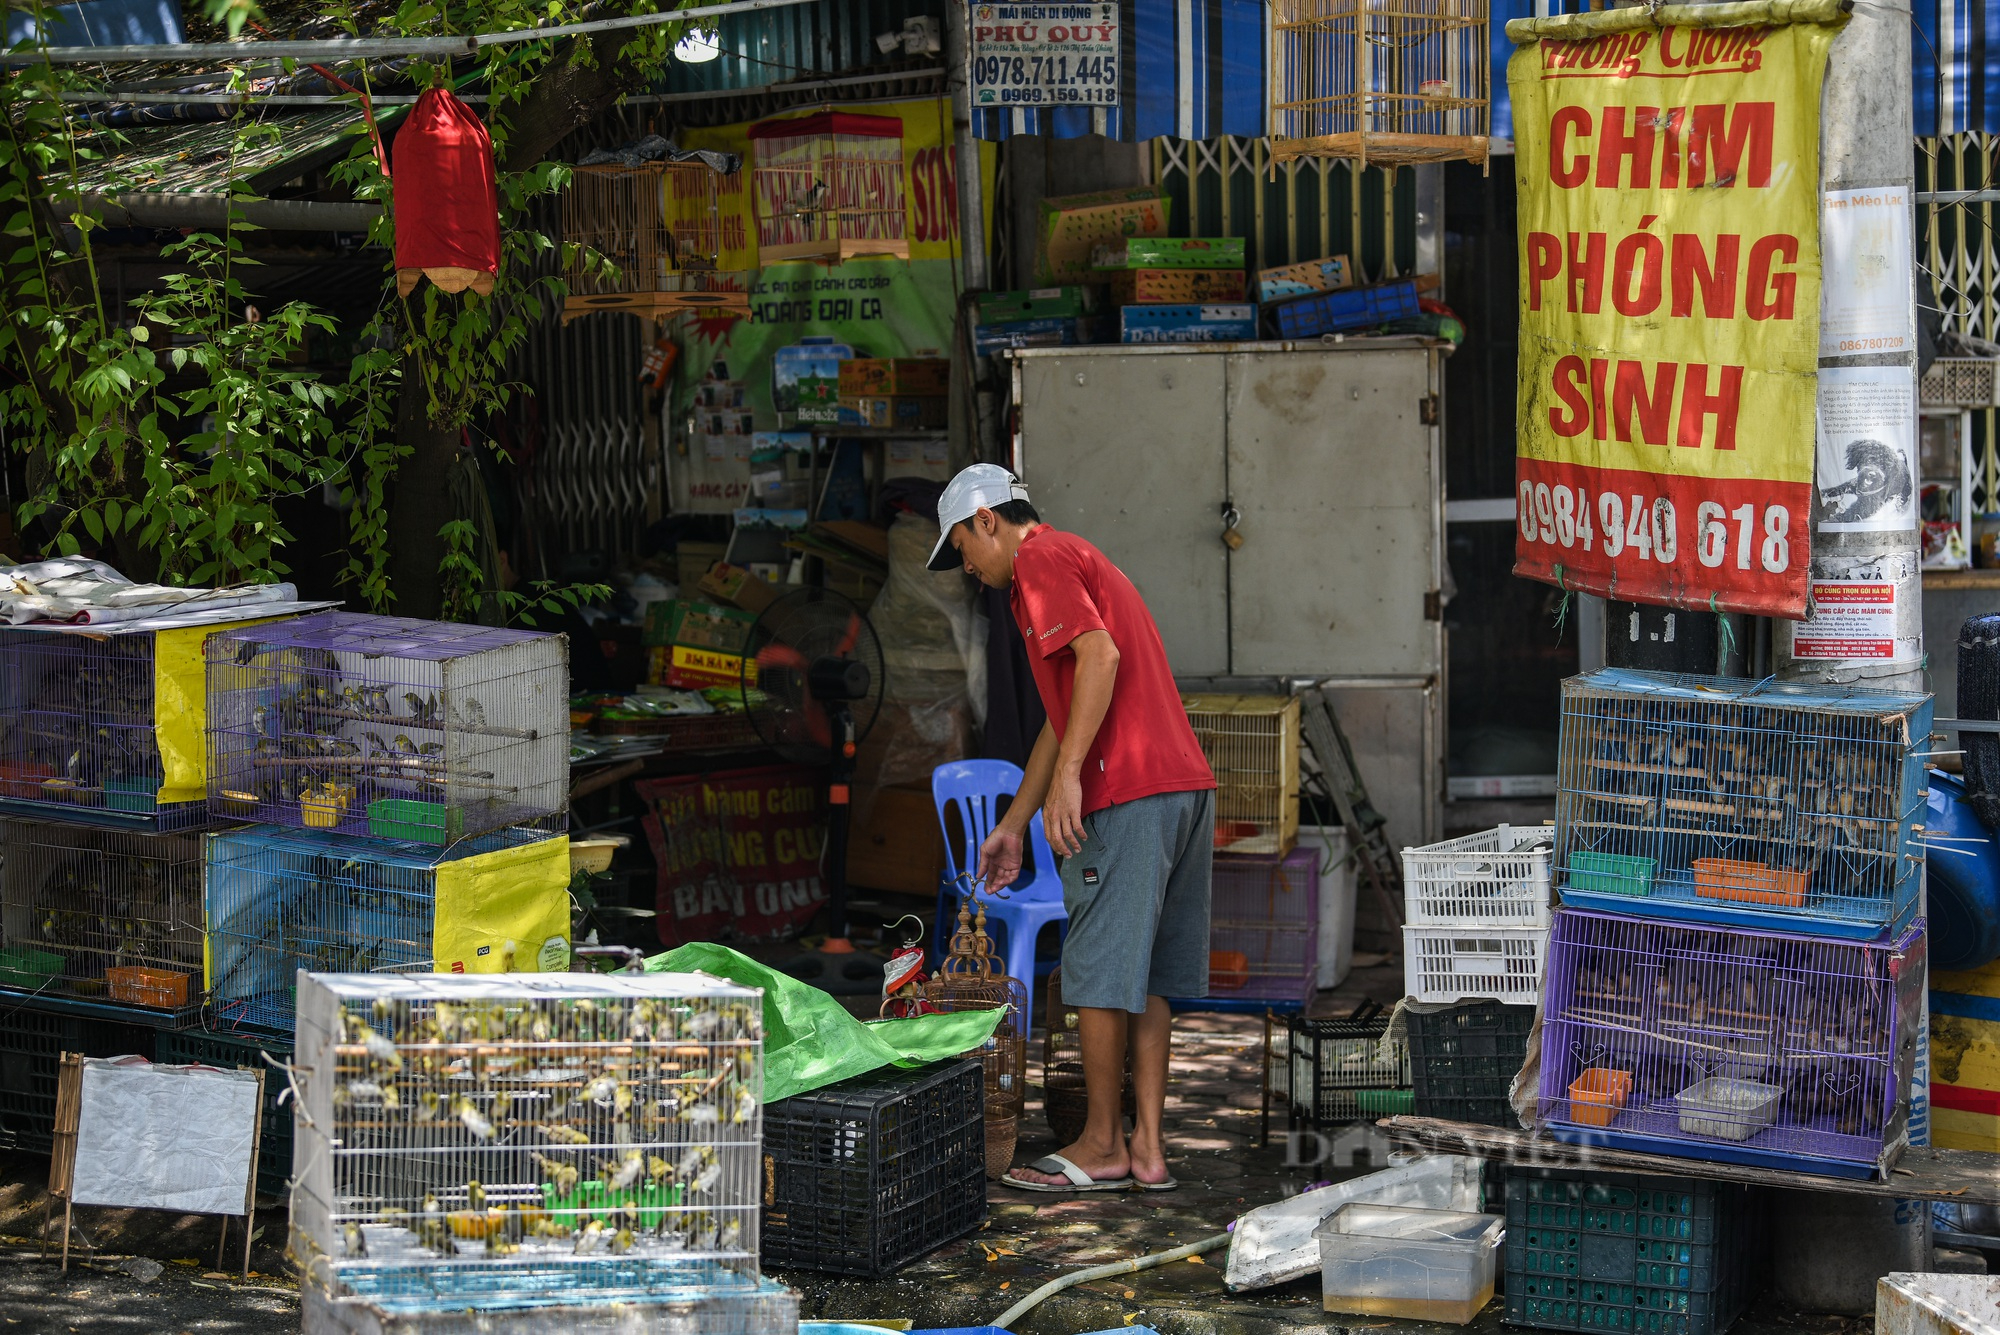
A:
{"points": [[1924, 1173]]}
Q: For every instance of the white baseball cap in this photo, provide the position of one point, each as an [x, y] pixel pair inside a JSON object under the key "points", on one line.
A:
{"points": [[982, 486]]}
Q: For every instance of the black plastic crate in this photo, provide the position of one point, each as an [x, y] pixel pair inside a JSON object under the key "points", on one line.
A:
{"points": [[1328, 1071], [188, 1047], [1629, 1253], [865, 1176], [1463, 1060], [32, 1042]]}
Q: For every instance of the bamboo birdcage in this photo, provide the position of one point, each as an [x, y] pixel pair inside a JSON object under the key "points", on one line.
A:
{"points": [[829, 187], [966, 981], [660, 224], [1379, 80]]}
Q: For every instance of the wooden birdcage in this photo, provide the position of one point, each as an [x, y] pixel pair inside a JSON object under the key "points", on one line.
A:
{"points": [[829, 187], [660, 224], [967, 981], [1379, 80]]}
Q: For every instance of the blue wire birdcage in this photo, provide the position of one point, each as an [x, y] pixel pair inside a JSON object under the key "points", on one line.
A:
{"points": [[420, 731], [280, 900], [1756, 804]]}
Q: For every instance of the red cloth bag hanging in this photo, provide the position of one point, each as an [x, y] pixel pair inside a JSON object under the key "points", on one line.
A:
{"points": [[447, 207]]}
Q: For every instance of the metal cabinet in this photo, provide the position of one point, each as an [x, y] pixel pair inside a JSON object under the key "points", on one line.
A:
{"points": [[1326, 460]]}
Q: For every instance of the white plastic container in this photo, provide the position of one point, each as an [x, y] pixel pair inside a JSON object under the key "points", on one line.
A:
{"points": [[1337, 884], [1453, 964], [1727, 1108], [1496, 878], [1407, 1263]]}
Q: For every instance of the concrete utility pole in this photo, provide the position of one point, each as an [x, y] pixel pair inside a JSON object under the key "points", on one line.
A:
{"points": [[971, 208], [1866, 139]]}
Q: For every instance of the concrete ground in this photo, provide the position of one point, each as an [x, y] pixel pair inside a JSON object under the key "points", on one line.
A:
{"points": [[1213, 1115]]}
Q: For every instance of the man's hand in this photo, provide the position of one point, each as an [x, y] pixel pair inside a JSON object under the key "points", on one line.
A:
{"points": [[1000, 859], [1062, 812]]}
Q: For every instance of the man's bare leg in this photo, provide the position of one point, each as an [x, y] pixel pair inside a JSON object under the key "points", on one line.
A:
{"points": [[1101, 1151], [1152, 1040]]}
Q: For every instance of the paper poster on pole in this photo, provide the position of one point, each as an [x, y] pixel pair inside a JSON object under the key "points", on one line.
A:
{"points": [[1850, 619], [1865, 248], [1670, 273], [1867, 455]]}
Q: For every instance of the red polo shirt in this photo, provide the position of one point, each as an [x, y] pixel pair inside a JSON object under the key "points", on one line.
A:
{"points": [[1063, 587]]}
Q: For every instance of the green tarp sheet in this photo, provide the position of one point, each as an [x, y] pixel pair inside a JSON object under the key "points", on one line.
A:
{"points": [[810, 1041]]}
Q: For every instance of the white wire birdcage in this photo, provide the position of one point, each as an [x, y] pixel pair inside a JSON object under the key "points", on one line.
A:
{"points": [[1252, 746], [1379, 80], [1753, 804], [829, 187], [473, 1140], [660, 224]]}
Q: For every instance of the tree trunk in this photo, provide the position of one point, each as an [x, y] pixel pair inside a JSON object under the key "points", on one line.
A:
{"points": [[573, 92]]}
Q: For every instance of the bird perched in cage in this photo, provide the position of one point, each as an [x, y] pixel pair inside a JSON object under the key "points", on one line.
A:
{"points": [[562, 1176], [469, 1115], [588, 1238], [431, 749], [404, 746], [472, 713], [624, 1173], [565, 1135], [356, 1240]]}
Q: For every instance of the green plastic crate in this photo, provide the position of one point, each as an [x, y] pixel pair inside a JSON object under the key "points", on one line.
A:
{"points": [[1625, 1252], [414, 821], [32, 970], [1170, 252], [1386, 1102], [1610, 873]]}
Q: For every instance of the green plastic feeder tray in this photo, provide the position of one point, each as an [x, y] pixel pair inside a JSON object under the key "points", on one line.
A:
{"points": [[1610, 873], [414, 821], [30, 969], [1386, 1102], [132, 794]]}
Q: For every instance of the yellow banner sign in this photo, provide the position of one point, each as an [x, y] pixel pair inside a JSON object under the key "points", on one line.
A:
{"points": [[1669, 261]]}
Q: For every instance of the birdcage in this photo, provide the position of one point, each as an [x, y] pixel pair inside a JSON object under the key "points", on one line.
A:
{"points": [[1252, 745], [102, 919], [1782, 1051], [660, 224], [1263, 927], [422, 731], [967, 980], [80, 737], [829, 187], [1772, 805], [1327, 1071], [1064, 1097], [476, 1141], [1379, 80], [279, 901]]}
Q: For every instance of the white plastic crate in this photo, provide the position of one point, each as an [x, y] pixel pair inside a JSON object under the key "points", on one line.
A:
{"points": [[1451, 964], [1496, 878]]}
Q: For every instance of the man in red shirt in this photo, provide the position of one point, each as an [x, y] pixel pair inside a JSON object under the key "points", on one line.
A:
{"points": [[1128, 800]]}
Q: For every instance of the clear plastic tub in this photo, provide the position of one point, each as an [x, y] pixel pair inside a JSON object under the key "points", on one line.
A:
{"points": [[1410, 1264], [1727, 1108]]}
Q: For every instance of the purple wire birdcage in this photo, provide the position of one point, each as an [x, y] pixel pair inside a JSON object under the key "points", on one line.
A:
{"points": [[420, 731], [1740, 1047], [1264, 927]]}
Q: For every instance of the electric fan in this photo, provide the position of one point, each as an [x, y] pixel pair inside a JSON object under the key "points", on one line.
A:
{"points": [[812, 686]]}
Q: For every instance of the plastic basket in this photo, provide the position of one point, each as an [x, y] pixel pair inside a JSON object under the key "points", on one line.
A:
{"points": [[1321, 1069], [161, 989], [1601, 1251], [1611, 873], [1499, 877], [1960, 382], [864, 1176], [31, 970], [1749, 882], [32, 1042], [1463, 1061], [1450, 964], [190, 1047], [1352, 308]]}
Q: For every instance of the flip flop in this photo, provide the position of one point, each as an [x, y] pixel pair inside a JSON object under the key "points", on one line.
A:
{"points": [[1164, 1184], [1078, 1179]]}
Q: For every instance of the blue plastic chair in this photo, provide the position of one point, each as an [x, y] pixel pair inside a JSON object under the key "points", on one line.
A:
{"points": [[975, 787]]}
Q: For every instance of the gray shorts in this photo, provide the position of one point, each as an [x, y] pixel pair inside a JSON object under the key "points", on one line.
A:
{"points": [[1137, 895]]}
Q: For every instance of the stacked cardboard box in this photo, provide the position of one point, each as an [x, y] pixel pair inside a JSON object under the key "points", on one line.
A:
{"points": [[1178, 289], [906, 392]]}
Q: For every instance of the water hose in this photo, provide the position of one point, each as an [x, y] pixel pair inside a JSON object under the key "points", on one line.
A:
{"points": [[1007, 1318]]}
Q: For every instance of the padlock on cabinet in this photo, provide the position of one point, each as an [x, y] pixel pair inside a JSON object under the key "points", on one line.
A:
{"points": [[1232, 536]]}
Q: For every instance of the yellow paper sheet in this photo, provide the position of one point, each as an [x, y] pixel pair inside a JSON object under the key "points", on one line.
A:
{"points": [[180, 707], [518, 895]]}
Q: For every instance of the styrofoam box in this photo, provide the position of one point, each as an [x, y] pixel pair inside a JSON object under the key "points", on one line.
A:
{"points": [[1337, 890]]}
